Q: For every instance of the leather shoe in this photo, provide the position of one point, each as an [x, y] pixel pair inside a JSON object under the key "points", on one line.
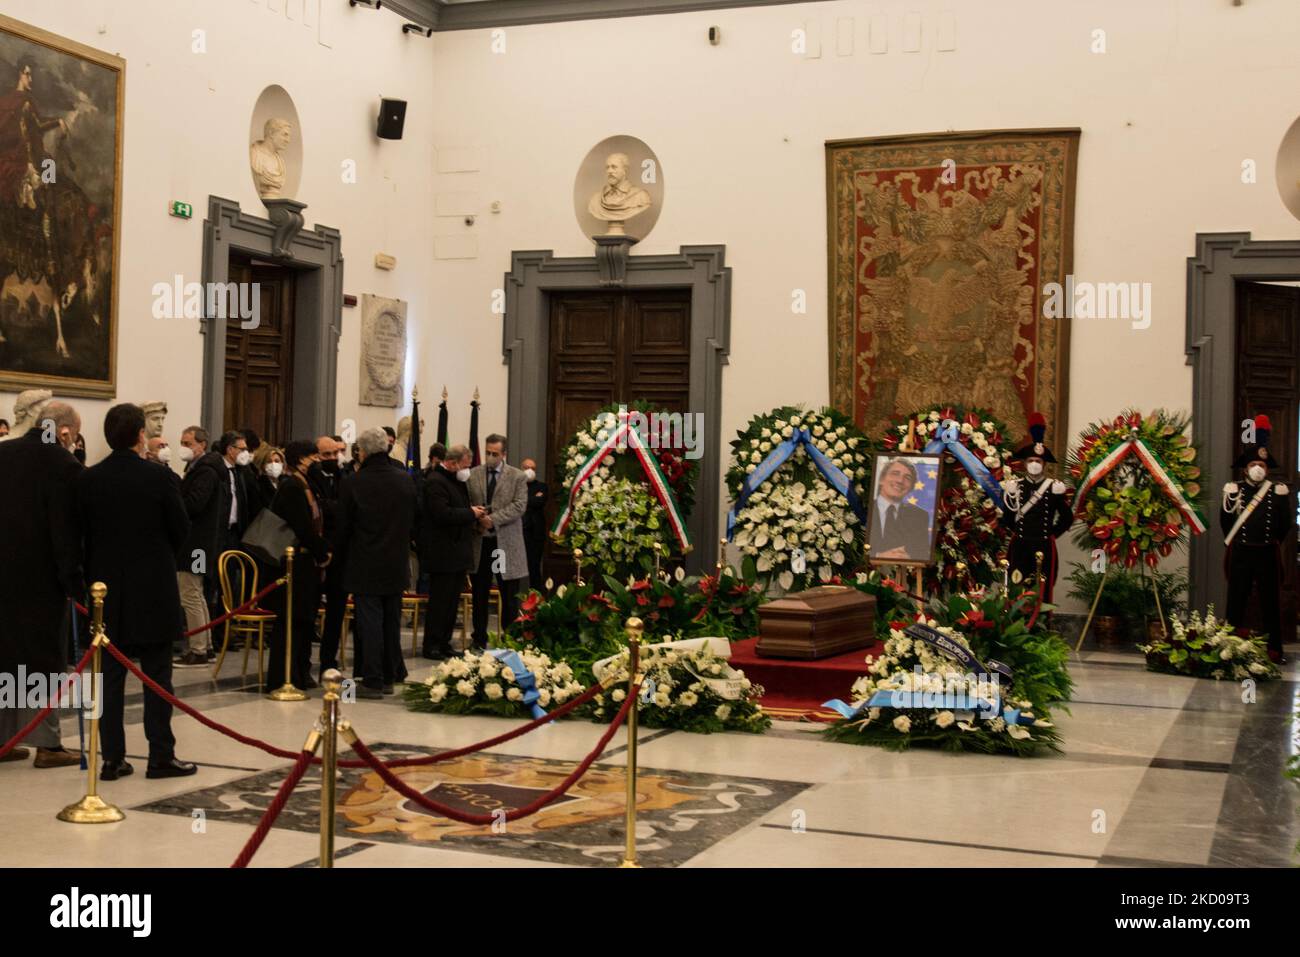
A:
{"points": [[17, 754], [388, 689], [174, 768], [56, 758], [371, 693], [191, 659], [112, 770]]}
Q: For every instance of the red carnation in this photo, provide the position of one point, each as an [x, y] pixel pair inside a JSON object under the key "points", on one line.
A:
{"points": [[667, 601]]}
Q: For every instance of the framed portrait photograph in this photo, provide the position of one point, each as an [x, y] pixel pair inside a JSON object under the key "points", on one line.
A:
{"points": [[904, 498], [60, 212]]}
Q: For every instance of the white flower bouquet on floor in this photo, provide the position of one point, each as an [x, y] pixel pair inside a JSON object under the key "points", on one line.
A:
{"points": [[1204, 646], [686, 685], [942, 704], [481, 683]]}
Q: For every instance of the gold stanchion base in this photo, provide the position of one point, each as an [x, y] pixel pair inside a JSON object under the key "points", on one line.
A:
{"points": [[287, 692], [627, 863], [91, 809]]}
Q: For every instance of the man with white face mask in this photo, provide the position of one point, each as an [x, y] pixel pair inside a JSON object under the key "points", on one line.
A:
{"points": [[1037, 508], [208, 507], [1256, 517], [534, 523], [448, 523]]}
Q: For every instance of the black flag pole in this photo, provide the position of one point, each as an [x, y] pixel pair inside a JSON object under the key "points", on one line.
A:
{"points": [[413, 443], [442, 419], [473, 428]]}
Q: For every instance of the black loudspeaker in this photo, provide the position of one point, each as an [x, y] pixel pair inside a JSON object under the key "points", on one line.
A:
{"points": [[392, 117]]}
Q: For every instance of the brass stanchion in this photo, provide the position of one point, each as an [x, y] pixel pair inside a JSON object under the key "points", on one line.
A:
{"points": [[286, 691], [92, 809], [722, 557], [1038, 571], [329, 716], [634, 629], [1093, 610], [1006, 573], [577, 560]]}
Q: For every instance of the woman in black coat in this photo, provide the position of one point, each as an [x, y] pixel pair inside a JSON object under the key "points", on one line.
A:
{"points": [[268, 463], [295, 503]]}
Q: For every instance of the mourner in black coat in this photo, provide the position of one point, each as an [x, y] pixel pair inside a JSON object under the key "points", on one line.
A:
{"points": [[1254, 558], [206, 494], [448, 525], [296, 504], [375, 517], [326, 482], [534, 523], [133, 522], [40, 564]]}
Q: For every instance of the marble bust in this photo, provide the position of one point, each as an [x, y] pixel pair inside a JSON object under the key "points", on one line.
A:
{"points": [[266, 158], [154, 414], [619, 199], [27, 410]]}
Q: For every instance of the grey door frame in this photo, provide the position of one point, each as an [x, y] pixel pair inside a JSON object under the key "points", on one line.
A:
{"points": [[1221, 260], [317, 257], [525, 347]]}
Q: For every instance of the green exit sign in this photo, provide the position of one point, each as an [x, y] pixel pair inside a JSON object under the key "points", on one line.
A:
{"points": [[183, 210]]}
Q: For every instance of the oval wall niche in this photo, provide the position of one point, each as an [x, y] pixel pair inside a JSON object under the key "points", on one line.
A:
{"points": [[274, 103], [643, 173], [1288, 169]]}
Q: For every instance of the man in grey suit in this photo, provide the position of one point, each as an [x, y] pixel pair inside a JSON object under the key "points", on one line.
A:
{"points": [[499, 551]]}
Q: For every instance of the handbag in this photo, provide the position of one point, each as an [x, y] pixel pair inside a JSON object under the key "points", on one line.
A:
{"points": [[267, 538]]}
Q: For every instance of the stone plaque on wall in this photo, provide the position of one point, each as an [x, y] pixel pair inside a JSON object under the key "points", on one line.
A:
{"points": [[383, 351]]}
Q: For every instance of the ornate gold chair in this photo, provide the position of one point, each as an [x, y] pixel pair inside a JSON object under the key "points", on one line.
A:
{"points": [[234, 592]]}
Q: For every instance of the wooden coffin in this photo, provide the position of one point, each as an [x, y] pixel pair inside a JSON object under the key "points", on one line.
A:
{"points": [[817, 623]]}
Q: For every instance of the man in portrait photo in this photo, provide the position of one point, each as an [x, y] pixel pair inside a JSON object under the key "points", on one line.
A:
{"points": [[900, 528]]}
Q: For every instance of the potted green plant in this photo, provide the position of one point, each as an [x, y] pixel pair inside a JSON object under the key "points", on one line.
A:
{"points": [[1108, 618]]}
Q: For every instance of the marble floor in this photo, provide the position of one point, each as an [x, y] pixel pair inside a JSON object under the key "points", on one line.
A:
{"points": [[1158, 771]]}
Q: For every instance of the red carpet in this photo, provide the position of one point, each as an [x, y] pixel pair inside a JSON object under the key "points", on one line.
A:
{"points": [[795, 689]]}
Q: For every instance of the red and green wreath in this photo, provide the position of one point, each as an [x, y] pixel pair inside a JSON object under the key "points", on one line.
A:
{"points": [[1138, 486]]}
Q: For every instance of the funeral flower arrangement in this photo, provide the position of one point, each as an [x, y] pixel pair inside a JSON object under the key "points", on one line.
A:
{"points": [[687, 689], [628, 492], [1204, 646], [938, 711], [580, 624], [479, 683], [971, 539], [795, 526], [1138, 486]]}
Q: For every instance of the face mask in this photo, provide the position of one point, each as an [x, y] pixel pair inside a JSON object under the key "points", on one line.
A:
{"points": [[186, 453], [244, 457], [530, 473], [274, 469], [165, 454], [329, 466], [462, 475], [1034, 468], [80, 455], [491, 461], [1256, 473]]}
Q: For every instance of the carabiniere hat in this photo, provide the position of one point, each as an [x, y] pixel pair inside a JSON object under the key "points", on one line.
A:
{"points": [[1035, 446], [1259, 448]]}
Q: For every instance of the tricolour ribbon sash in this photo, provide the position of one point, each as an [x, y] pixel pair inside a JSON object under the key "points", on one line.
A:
{"points": [[969, 461], [625, 433], [1245, 512], [778, 457], [523, 678], [1107, 463]]}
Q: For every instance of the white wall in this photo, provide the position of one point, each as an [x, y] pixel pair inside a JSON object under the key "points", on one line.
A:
{"points": [[186, 126], [1187, 90]]}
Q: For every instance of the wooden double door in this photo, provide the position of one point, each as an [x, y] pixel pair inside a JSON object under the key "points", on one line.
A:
{"points": [[1268, 382], [608, 347], [259, 360]]}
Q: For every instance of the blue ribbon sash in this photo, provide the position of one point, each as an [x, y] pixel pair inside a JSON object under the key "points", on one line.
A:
{"points": [[523, 678], [778, 457], [976, 469]]}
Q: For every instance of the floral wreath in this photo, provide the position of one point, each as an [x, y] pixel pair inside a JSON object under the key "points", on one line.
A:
{"points": [[970, 530], [622, 509], [796, 526], [1137, 486]]}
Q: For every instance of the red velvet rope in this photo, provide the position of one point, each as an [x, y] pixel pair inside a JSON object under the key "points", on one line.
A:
{"points": [[246, 606], [31, 725], [282, 753], [396, 783], [281, 797]]}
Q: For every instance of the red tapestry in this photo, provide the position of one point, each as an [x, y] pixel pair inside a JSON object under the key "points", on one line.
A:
{"points": [[940, 248]]}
